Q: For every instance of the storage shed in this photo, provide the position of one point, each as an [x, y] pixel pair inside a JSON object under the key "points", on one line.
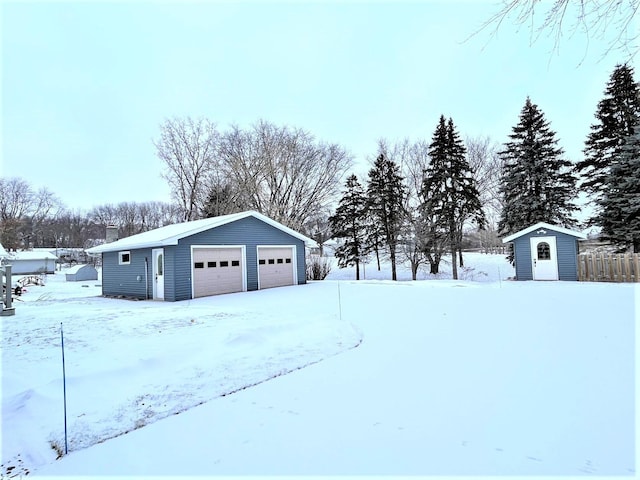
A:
{"points": [[231, 253], [546, 252], [27, 263], [79, 273]]}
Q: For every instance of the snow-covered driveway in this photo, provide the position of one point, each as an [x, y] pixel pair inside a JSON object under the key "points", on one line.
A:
{"points": [[451, 378]]}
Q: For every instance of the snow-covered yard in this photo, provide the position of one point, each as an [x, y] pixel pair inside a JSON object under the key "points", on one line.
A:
{"points": [[477, 376]]}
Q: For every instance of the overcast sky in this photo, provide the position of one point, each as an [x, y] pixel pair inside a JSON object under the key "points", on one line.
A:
{"points": [[85, 86]]}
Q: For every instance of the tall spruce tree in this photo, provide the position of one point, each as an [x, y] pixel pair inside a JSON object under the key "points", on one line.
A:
{"points": [[449, 191], [349, 223], [537, 184], [619, 214], [617, 114], [386, 192]]}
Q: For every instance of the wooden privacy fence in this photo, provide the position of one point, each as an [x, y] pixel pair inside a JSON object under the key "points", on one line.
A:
{"points": [[609, 267]]}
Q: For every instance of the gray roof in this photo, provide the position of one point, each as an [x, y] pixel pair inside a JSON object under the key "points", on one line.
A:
{"points": [[170, 234], [544, 226]]}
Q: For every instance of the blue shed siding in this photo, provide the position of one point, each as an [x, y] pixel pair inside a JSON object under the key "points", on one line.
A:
{"points": [[127, 280], [567, 249], [522, 255], [249, 231]]}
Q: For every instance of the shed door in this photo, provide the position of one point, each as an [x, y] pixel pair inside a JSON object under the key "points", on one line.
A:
{"points": [[544, 258], [217, 271], [276, 266]]}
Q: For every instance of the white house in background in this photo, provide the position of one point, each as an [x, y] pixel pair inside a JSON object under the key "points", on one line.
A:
{"points": [[25, 263]]}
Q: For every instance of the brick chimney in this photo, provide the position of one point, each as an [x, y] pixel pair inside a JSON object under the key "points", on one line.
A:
{"points": [[112, 233]]}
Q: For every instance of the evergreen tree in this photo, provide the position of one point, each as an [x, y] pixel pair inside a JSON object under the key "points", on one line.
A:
{"points": [[617, 114], [449, 191], [620, 203], [220, 201], [349, 223], [386, 192], [537, 184]]}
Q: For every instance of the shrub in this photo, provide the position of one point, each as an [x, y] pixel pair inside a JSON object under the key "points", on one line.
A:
{"points": [[317, 267]]}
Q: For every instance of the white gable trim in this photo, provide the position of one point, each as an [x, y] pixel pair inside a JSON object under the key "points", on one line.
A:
{"points": [[171, 234], [544, 226]]}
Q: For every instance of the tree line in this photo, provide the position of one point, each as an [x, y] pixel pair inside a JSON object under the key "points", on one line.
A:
{"points": [[418, 198], [37, 218]]}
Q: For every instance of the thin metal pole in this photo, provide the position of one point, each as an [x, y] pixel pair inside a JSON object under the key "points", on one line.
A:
{"points": [[64, 389]]}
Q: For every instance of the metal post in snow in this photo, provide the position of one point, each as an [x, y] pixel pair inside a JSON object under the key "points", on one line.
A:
{"points": [[64, 390]]}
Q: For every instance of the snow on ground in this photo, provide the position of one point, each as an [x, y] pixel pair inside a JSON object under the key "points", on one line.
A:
{"points": [[448, 377]]}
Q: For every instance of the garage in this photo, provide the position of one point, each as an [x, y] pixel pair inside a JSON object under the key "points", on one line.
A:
{"points": [[209, 256], [276, 266], [217, 270]]}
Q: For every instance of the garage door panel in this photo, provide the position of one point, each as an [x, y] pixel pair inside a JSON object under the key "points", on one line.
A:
{"points": [[217, 271], [275, 266]]}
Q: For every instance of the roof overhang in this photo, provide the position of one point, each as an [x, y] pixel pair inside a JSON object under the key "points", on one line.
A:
{"points": [[544, 226]]}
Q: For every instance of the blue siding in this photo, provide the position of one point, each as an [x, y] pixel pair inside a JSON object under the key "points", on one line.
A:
{"points": [[567, 248], [126, 280]]}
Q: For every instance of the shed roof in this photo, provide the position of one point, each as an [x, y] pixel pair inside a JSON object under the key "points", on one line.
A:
{"points": [[170, 234], [544, 226], [76, 268]]}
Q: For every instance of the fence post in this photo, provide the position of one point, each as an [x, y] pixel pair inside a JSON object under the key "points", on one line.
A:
{"points": [[64, 391], [579, 268]]}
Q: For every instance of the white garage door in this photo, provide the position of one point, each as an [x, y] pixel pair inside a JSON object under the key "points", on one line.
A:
{"points": [[217, 270], [275, 266]]}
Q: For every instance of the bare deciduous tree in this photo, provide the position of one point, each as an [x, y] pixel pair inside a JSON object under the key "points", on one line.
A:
{"points": [[188, 149], [483, 158], [282, 172], [23, 211], [132, 218], [611, 20]]}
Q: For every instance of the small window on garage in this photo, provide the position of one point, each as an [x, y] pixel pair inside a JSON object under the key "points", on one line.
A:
{"points": [[235, 263], [262, 261], [224, 263], [271, 261], [198, 265], [124, 258], [211, 264], [287, 260], [281, 260]]}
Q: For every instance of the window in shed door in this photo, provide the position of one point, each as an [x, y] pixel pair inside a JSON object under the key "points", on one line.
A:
{"points": [[544, 252]]}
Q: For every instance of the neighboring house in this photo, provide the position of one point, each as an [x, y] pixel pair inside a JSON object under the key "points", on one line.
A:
{"points": [[78, 273], [25, 263], [546, 252], [232, 253]]}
